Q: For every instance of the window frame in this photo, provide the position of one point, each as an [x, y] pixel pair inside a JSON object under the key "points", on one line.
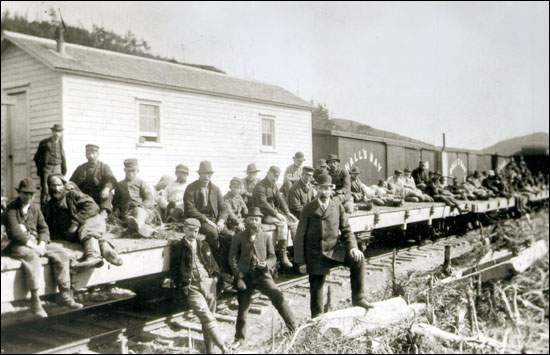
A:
{"points": [[140, 133], [268, 148]]}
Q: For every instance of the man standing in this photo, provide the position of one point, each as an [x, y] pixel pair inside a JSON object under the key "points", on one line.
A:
{"points": [[50, 159], [302, 192], [195, 272], [29, 240], [134, 201], [204, 201], [323, 240], [293, 173], [95, 179], [74, 216], [252, 260], [275, 210], [342, 182], [249, 183]]}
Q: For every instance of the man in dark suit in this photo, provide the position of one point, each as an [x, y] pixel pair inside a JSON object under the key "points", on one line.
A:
{"points": [[50, 159], [323, 240], [95, 179], [204, 201], [252, 259]]}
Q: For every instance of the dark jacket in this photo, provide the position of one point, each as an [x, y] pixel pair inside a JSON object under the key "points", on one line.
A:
{"points": [[299, 196], [192, 200], [34, 222], [74, 209], [341, 181], [241, 252], [322, 234], [181, 261], [269, 199], [92, 178], [420, 176], [44, 155]]}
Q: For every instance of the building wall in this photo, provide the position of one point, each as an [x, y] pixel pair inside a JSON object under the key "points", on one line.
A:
{"points": [[21, 72], [5, 147], [193, 128]]}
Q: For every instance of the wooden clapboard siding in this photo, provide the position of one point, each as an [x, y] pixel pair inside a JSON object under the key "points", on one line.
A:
{"points": [[194, 127], [43, 86]]}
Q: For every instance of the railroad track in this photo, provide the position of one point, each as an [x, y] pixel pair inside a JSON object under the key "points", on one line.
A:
{"points": [[107, 329]]}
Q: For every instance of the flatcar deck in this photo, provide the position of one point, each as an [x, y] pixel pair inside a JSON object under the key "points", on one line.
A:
{"points": [[143, 257]]}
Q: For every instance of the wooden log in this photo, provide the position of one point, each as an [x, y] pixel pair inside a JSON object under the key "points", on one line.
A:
{"points": [[427, 330], [355, 321]]}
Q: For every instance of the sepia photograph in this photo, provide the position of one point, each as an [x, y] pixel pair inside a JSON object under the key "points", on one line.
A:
{"points": [[272, 177]]}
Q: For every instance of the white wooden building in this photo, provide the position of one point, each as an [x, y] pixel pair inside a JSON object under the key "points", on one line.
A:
{"points": [[159, 112]]}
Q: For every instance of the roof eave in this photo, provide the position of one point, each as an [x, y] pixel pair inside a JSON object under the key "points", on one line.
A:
{"points": [[390, 141]]}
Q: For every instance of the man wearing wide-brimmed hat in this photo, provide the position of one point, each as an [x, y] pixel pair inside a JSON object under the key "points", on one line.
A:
{"points": [[275, 210], [293, 173], [204, 201], [95, 179], [249, 183], [342, 182], [302, 192], [50, 159], [29, 240], [252, 259], [324, 239], [134, 201]]}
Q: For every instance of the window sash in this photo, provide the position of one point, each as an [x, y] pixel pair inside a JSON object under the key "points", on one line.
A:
{"points": [[268, 132], [149, 121]]}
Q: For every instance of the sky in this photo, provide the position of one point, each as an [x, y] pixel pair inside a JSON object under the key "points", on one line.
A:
{"points": [[476, 71]]}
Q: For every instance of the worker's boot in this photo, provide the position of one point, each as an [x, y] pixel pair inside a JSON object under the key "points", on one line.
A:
{"points": [[92, 255], [66, 298], [36, 305], [283, 256], [109, 253]]}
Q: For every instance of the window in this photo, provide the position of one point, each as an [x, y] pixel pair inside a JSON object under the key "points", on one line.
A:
{"points": [[149, 123], [268, 133]]}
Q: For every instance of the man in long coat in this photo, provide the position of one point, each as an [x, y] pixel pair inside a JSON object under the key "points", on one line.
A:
{"points": [[50, 159], [323, 240]]}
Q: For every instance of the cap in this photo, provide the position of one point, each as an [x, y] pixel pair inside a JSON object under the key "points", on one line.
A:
{"points": [[182, 168], [299, 155], [130, 163], [324, 180], [205, 167], [254, 212], [26, 185], [251, 168], [57, 128], [308, 170], [332, 157], [92, 147], [274, 169], [192, 222]]}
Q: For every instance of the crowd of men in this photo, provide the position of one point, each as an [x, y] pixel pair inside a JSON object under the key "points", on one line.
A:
{"points": [[223, 232]]}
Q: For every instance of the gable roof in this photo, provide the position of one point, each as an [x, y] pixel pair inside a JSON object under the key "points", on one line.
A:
{"points": [[87, 61]]}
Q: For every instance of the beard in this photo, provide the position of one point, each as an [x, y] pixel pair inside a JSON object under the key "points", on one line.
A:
{"points": [[254, 227]]}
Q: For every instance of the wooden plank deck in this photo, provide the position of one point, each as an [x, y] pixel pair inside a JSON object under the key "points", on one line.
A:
{"points": [[144, 257]]}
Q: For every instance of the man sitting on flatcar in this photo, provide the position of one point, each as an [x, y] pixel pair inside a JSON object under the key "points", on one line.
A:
{"points": [[384, 194], [29, 239], [302, 192], [421, 176], [342, 182], [436, 189]]}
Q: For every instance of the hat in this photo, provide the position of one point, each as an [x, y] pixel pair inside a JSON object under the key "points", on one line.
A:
{"points": [[324, 180], [235, 181], [251, 168], [332, 157], [130, 163], [254, 212], [308, 169], [192, 222], [182, 168], [322, 163], [205, 167], [57, 128], [26, 185], [92, 147], [491, 172], [397, 172], [274, 169], [355, 170], [299, 155], [407, 170]]}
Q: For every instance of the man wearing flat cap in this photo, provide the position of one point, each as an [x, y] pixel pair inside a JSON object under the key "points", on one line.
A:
{"points": [[50, 159], [29, 240], [249, 183], [302, 192], [293, 173], [204, 201], [342, 182], [323, 240], [253, 260], [134, 201], [195, 274], [171, 200], [95, 179], [275, 210]]}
